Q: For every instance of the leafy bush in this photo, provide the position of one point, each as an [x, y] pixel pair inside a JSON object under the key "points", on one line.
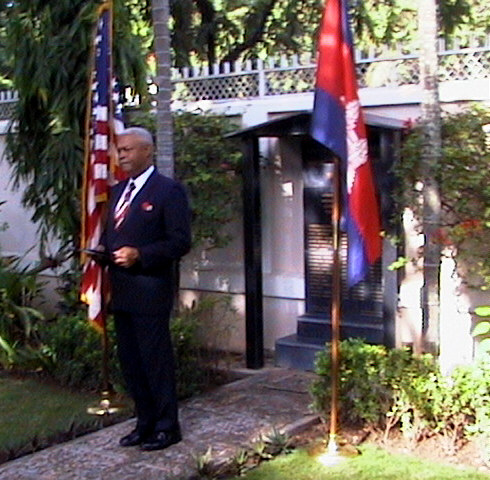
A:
{"points": [[17, 290], [72, 351], [189, 371], [371, 376], [196, 360], [207, 163], [464, 183], [482, 329], [362, 394], [383, 388], [472, 386], [18, 319]]}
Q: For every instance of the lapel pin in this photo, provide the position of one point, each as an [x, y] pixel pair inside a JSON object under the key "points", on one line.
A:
{"points": [[147, 206]]}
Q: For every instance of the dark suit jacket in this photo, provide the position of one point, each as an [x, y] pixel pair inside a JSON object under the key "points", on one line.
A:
{"points": [[158, 225]]}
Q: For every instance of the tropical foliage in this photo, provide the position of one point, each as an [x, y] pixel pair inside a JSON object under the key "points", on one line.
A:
{"points": [[220, 31], [208, 164], [482, 329], [385, 389], [47, 47], [19, 320], [464, 182]]}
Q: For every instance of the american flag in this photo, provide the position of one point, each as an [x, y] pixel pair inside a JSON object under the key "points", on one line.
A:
{"points": [[100, 170]]}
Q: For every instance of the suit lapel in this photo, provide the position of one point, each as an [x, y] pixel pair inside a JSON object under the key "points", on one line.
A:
{"points": [[143, 194]]}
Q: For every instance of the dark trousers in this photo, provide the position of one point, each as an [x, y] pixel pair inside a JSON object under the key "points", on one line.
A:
{"points": [[148, 367]]}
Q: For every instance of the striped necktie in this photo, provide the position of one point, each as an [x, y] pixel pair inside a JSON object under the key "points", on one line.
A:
{"points": [[122, 211]]}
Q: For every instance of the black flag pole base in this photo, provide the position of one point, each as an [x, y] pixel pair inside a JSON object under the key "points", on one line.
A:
{"points": [[106, 406]]}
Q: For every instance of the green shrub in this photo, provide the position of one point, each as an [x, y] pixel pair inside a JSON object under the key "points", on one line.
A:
{"points": [[462, 167], [370, 377], [18, 319], [472, 385], [72, 351], [189, 370], [194, 331], [69, 349], [482, 329], [18, 287], [386, 388], [365, 389]]}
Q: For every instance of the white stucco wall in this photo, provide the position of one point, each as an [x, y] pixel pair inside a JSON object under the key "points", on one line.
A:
{"points": [[19, 238]]}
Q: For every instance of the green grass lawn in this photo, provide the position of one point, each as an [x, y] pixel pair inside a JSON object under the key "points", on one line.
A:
{"points": [[372, 464], [35, 413]]}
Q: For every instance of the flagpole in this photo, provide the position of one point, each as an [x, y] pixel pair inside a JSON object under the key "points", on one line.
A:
{"points": [[107, 390], [335, 309], [105, 405], [337, 124]]}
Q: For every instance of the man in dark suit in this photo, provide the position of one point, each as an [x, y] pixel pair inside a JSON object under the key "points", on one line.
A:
{"points": [[147, 231]]}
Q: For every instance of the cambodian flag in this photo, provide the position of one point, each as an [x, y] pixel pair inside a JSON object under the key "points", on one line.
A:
{"points": [[337, 123]]}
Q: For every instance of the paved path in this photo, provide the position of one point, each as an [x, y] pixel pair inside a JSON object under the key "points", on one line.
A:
{"points": [[225, 419]]}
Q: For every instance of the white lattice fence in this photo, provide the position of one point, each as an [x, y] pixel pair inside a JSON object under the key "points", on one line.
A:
{"points": [[465, 61], [474, 64], [294, 75], [217, 87], [290, 80], [8, 99]]}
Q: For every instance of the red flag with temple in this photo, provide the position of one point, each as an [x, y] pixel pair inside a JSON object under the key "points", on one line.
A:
{"points": [[338, 123]]}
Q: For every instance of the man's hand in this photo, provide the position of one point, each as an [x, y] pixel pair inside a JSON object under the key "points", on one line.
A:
{"points": [[126, 256]]}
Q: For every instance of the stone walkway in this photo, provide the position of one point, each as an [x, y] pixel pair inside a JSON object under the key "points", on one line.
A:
{"points": [[226, 419]]}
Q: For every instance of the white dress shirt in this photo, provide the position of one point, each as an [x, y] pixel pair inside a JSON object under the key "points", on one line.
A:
{"points": [[139, 181]]}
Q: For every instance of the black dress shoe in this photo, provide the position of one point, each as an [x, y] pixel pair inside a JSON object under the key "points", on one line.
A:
{"points": [[131, 439], [161, 440]]}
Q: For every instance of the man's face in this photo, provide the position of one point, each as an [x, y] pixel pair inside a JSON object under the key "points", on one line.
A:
{"points": [[134, 155]]}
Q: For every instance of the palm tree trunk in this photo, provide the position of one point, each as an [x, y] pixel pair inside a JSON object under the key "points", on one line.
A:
{"points": [[431, 153], [164, 155]]}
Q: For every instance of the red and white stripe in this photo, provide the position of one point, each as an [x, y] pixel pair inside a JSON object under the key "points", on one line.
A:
{"points": [[100, 168]]}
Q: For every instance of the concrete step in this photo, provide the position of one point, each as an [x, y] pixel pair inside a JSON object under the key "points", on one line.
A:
{"points": [[294, 352], [319, 329]]}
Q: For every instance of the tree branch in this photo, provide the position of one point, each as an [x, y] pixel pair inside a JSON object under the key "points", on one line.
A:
{"points": [[46, 262], [258, 18], [208, 19]]}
